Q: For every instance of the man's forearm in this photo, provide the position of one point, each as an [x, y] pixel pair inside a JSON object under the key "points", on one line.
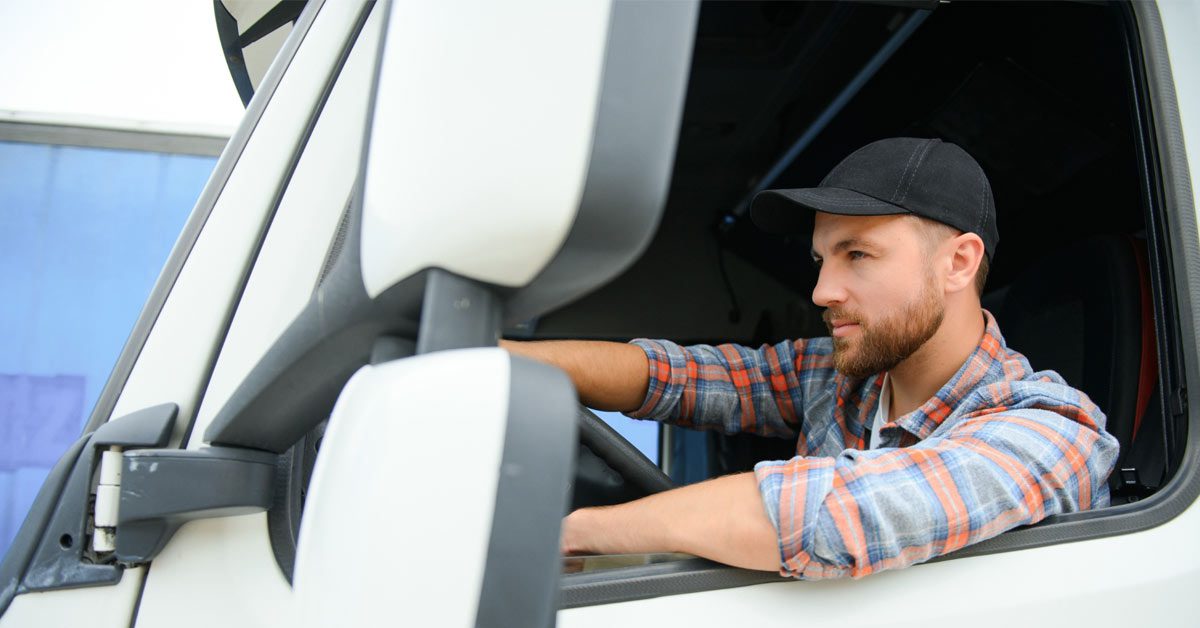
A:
{"points": [[607, 375], [721, 519]]}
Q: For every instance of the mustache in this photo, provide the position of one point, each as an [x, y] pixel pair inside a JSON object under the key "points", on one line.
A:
{"points": [[830, 314]]}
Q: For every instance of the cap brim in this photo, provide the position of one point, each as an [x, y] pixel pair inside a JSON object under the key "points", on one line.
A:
{"points": [[792, 211]]}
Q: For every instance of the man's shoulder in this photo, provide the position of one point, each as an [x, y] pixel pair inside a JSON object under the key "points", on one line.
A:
{"points": [[1015, 391]]}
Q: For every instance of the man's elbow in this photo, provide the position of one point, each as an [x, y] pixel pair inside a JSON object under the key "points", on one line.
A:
{"points": [[761, 554], [751, 542]]}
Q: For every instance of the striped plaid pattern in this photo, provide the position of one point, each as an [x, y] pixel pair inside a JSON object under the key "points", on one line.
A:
{"points": [[997, 447]]}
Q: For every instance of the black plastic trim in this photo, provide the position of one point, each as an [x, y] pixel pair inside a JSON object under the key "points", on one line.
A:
{"points": [[20, 553], [63, 565], [522, 569], [656, 580], [293, 387], [1182, 240], [161, 489], [457, 313], [107, 400]]}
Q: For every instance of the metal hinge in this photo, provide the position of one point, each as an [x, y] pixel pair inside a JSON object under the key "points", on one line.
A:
{"points": [[107, 501], [126, 496]]}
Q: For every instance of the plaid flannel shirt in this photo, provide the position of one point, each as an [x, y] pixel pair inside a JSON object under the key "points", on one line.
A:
{"points": [[997, 447]]}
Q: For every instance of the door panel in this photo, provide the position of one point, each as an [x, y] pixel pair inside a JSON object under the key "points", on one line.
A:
{"points": [[1115, 581], [97, 607]]}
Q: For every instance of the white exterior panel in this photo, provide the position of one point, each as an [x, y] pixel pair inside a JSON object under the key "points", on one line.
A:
{"points": [[1142, 579], [1181, 25], [93, 607]]}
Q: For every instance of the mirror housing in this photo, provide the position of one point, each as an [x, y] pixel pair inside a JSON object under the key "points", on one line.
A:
{"points": [[439, 491], [476, 163]]}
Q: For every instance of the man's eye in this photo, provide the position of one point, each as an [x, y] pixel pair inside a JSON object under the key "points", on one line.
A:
{"points": [[857, 254], [817, 262]]}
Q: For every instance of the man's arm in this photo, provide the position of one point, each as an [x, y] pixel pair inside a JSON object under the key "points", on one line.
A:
{"points": [[721, 519], [607, 375], [727, 387], [735, 388], [868, 511]]}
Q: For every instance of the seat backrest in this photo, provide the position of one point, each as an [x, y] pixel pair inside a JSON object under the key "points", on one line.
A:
{"points": [[1084, 310]]}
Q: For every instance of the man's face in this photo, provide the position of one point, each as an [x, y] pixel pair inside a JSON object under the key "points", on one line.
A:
{"points": [[883, 299]]}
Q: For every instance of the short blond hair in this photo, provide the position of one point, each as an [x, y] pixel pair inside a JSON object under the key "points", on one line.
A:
{"points": [[934, 233]]}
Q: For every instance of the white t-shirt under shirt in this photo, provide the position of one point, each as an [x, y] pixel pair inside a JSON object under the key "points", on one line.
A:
{"points": [[881, 413]]}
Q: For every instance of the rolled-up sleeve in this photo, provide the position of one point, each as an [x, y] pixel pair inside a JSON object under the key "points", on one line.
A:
{"points": [[731, 387], [866, 511]]}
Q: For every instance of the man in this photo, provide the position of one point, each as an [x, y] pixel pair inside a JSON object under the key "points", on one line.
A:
{"points": [[918, 431]]}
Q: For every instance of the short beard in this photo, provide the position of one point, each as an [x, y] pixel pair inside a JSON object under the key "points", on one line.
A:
{"points": [[883, 345]]}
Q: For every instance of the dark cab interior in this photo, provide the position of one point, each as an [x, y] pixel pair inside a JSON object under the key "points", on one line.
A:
{"points": [[1048, 97]]}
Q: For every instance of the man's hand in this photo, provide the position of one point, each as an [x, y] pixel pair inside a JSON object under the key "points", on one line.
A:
{"points": [[721, 519], [607, 375]]}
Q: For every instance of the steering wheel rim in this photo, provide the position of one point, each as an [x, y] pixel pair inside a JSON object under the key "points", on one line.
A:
{"points": [[620, 454]]}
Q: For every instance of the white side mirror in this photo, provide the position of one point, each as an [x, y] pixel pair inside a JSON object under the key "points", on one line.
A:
{"points": [[438, 495], [480, 137]]}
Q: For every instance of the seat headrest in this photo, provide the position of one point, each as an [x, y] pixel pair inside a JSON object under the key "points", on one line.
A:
{"points": [[1078, 310]]}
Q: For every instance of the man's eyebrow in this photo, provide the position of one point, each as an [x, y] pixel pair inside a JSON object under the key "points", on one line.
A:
{"points": [[848, 243]]}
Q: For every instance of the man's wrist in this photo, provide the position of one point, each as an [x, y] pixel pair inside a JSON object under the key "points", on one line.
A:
{"points": [[576, 532]]}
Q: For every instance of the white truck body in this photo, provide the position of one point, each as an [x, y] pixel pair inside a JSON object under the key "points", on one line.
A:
{"points": [[391, 140]]}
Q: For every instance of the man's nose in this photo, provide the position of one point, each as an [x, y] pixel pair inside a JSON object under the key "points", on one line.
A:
{"points": [[828, 290]]}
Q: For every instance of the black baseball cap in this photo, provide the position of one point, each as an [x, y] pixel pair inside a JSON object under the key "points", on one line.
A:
{"points": [[899, 175]]}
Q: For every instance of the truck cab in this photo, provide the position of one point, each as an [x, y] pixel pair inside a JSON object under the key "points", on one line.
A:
{"points": [[311, 423]]}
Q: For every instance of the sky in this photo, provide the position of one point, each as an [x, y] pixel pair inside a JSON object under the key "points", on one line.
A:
{"points": [[141, 63]]}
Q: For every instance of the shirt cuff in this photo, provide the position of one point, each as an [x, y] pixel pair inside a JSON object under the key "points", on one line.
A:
{"points": [[658, 357], [792, 492]]}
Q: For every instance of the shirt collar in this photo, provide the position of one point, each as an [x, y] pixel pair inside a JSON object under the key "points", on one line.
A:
{"points": [[991, 350]]}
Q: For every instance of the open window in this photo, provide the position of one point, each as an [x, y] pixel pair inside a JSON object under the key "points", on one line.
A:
{"points": [[1058, 109]]}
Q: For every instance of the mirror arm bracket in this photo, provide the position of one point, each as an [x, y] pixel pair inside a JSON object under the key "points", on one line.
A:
{"points": [[161, 489], [457, 313]]}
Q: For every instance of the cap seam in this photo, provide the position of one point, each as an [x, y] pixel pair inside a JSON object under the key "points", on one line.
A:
{"points": [[916, 169], [903, 176]]}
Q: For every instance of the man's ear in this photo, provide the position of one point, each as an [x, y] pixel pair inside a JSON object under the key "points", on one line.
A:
{"points": [[966, 251]]}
